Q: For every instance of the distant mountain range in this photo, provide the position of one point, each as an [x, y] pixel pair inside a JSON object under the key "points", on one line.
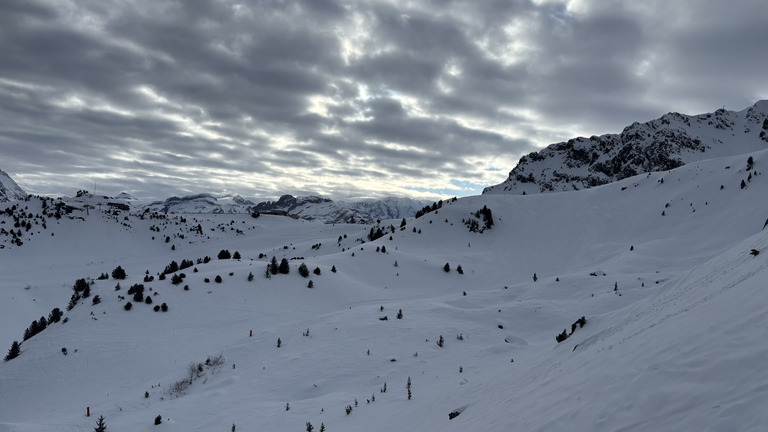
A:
{"points": [[308, 208], [668, 142], [658, 145]]}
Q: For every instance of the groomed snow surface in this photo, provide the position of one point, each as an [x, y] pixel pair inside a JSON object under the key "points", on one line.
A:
{"points": [[676, 316]]}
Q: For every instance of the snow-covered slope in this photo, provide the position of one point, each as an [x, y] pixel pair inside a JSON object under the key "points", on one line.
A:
{"points": [[9, 190], [660, 265], [658, 145]]}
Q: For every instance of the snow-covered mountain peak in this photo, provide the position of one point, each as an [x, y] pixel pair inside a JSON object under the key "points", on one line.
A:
{"points": [[9, 190], [668, 142]]}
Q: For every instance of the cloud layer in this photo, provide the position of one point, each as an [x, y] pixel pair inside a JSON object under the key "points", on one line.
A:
{"points": [[347, 98]]}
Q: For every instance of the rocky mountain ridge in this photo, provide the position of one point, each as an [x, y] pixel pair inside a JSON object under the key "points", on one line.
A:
{"points": [[668, 142]]}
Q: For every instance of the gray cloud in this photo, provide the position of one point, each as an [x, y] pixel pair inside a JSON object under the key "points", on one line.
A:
{"points": [[344, 98]]}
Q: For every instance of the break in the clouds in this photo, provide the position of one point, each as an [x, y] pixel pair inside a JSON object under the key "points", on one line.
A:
{"points": [[347, 98]]}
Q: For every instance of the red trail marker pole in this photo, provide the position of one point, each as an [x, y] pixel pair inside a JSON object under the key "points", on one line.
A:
{"points": [[87, 411], [251, 335]]}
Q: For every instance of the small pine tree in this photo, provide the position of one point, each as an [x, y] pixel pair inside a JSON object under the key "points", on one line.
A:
{"points": [[400, 314], [408, 386], [743, 184], [333, 269], [310, 428], [273, 267], [128, 306], [459, 270], [101, 426], [441, 341], [535, 278], [447, 267], [14, 351], [303, 270], [310, 284], [236, 255], [322, 427], [158, 419], [317, 271], [218, 279], [279, 343], [250, 276], [284, 267]]}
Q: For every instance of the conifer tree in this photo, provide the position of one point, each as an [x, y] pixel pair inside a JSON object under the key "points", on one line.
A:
{"points": [[273, 267], [303, 270], [408, 386], [284, 268], [101, 426], [14, 351]]}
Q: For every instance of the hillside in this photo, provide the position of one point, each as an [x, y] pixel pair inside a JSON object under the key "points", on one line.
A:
{"points": [[658, 145], [659, 265]]}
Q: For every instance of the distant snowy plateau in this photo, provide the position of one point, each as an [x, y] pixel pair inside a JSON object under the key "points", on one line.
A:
{"points": [[612, 283]]}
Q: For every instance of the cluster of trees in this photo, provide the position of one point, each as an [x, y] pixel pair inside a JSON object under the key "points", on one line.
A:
{"points": [[36, 327], [427, 209], [137, 291], [483, 214], [225, 254], [274, 268], [82, 289], [433, 207]]}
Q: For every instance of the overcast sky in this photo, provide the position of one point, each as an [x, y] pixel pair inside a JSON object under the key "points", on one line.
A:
{"points": [[347, 98]]}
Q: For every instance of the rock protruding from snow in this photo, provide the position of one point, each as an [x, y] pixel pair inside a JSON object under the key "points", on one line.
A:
{"points": [[9, 190], [658, 145]]}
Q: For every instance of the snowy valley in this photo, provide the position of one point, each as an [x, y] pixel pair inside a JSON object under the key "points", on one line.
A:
{"points": [[478, 304]]}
